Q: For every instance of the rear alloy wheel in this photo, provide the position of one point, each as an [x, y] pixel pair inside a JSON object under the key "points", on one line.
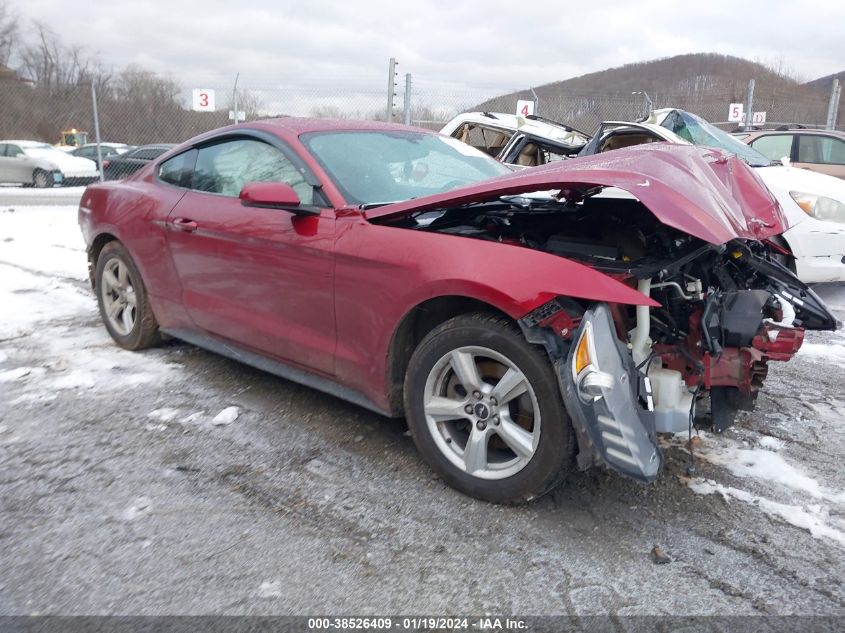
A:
{"points": [[485, 411], [42, 179], [122, 298]]}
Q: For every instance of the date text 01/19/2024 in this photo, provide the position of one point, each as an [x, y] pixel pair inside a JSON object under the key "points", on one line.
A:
{"points": [[426, 623]]}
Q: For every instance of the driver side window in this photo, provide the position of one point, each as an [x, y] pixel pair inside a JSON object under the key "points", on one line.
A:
{"points": [[224, 168]]}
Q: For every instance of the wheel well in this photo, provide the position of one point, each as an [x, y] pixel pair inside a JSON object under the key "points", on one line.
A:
{"points": [[414, 326], [94, 254]]}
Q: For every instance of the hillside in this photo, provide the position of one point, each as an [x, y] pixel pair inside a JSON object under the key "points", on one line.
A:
{"points": [[705, 83], [823, 83]]}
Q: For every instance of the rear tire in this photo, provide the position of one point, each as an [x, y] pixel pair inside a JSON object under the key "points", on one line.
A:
{"points": [[123, 300], [42, 179], [517, 442]]}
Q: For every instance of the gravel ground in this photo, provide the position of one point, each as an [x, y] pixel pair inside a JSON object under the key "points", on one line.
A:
{"points": [[128, 485]]}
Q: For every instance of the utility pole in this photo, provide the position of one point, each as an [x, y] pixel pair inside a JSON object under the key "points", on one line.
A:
{"points": [[833, 106], [536, 101], [235, 98], [97, 131], [749, 106], [647, 103], [391, 88], [407, 98]]}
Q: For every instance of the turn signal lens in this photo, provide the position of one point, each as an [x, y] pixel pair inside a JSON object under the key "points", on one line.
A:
{"points": [[583, 357], [806, 201]]}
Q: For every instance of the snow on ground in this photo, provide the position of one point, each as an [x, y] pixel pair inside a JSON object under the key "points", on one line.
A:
{"points": [[46, 304], [43, 239], [10, 196], [33, 192], [814, 518]]}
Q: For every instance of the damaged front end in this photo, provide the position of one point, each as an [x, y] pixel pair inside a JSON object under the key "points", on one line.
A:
{"points": [[628, 373], [690, 231]]}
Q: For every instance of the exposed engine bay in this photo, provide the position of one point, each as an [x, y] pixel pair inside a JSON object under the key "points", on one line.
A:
{"points": [[725, 312]]}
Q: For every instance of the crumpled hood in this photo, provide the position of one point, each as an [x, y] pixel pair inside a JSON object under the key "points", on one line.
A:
{"points": [[701, 191]]}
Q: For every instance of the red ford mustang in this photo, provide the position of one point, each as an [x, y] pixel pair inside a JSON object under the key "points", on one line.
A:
{"points": [[523, 323]]}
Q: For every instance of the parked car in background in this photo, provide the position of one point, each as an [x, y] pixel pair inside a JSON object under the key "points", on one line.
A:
{"points": [[817, 150], [123, 165], [37, 164], [409, 273], [813, 246], [526, 141], [107, 150]]}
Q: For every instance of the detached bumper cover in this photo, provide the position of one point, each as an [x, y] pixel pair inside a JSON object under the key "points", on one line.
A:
{"points": [[613, 422]]}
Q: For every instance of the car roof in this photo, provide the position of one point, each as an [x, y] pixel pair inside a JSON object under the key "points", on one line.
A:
{"points": [[303, 125], [155, 146], [26, 143], [514, 122]]}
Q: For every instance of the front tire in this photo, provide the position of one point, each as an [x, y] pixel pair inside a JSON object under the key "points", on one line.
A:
{"points": [[485, 410], [123, 300], [42, 179]]}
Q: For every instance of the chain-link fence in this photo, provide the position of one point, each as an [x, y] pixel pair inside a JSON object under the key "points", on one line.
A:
{"points": [[137, 107]]}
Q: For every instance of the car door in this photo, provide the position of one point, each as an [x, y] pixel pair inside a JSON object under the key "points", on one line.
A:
{"points": [[824, 154], [14, 164], [260, 277]]}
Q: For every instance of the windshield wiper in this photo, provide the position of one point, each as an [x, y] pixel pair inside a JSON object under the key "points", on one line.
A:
{"points": [[375, 205]]}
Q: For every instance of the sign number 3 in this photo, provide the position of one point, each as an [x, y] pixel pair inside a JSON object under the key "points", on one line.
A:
{"points": [[203, 99]]}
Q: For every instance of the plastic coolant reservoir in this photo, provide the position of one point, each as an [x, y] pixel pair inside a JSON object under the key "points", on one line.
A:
{"points": [[672, 400]]}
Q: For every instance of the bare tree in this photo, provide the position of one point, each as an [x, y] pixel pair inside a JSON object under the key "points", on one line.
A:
{"points": [[51, 63], [9, 32]]}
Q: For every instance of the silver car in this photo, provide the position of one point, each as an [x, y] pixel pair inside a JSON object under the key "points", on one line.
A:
{"points": [[42, 165]]}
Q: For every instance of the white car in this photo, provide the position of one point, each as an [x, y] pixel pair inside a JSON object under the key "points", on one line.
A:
{"points": [[525, 141], [42, 165]]}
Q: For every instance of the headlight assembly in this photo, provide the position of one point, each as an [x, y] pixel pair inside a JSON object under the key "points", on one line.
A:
{"points": [[819, 207]]}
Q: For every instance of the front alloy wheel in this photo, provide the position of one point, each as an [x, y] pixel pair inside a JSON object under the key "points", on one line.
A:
{"points": [[485, 410], [482, 412]]}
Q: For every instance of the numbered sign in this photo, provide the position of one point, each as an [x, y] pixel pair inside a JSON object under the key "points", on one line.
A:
{"points": [[524, 107], [736, 112], [203, 99], [758, 118]]}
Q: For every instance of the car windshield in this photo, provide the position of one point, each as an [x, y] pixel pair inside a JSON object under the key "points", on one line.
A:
{"points": [[699, 132], [372, 167]]}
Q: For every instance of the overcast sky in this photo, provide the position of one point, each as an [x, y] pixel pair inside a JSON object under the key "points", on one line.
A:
{"points": [[486, 44]]}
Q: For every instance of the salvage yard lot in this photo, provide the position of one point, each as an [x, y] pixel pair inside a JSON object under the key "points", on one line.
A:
{"points": [[128, 484]]}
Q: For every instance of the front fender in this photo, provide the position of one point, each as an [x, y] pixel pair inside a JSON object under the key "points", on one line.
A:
{"points": [[515, 279]]}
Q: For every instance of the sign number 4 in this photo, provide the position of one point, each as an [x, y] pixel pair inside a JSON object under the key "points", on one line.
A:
{"points": [[524, 107]]}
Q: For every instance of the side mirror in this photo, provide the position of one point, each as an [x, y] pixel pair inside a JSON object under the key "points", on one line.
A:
{"points": [[274, 195]]}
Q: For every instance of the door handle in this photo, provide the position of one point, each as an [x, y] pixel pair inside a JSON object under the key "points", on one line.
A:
{"points": [[183, 224]]}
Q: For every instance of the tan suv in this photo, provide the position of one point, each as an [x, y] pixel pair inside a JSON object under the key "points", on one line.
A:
{"points": [[817, 150]]}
